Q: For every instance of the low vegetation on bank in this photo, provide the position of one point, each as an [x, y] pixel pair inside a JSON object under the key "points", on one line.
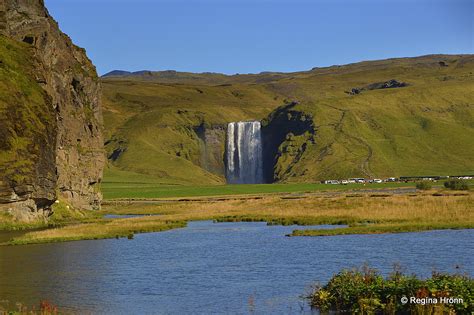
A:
{"points": [[100, 229], [366, 291], [62, 215], [363, 213]]}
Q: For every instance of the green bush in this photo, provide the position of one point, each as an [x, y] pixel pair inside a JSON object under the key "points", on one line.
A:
{"points": [[456, 184], [423, 185], [366, 291]]}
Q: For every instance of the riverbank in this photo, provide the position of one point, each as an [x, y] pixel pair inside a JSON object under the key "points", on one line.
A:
{"points": [[364, 213], [102, 229], [63, 214]]}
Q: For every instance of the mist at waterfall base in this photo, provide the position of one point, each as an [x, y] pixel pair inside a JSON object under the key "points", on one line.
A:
{"points": [[244, 156]]}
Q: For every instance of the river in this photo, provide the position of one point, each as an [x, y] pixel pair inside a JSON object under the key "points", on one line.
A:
{"points": [[213, 268]]}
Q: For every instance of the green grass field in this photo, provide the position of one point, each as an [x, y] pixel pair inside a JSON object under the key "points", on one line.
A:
{"points": [[122, 185], [119, 184], [149, 191]]}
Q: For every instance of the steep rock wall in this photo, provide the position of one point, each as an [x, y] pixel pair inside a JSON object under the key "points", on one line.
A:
{"points": [[68, 159], [212, 139]]}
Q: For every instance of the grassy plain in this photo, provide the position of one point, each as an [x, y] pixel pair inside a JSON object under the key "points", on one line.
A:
{"points": [[363, 213], [125, 185]]}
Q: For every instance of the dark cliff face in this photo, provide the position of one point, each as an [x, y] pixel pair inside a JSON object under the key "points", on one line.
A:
{"points": [[65, 157], [286, 134], [212, 148]]}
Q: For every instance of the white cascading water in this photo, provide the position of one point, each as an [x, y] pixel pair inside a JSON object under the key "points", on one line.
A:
{"points": [[244, 153]]}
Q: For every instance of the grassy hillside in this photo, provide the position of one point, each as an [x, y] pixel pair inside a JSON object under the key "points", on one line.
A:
{"points": [[153, 120], [155, 123]]}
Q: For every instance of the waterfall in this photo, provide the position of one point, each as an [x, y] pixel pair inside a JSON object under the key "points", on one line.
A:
{"points": [[244, 153]]}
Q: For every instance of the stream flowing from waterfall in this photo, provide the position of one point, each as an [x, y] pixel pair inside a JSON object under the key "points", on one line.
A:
{"points": [[244, 153]]}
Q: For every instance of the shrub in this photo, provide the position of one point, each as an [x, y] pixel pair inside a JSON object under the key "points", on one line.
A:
{"points": [[45, 308], [423, 185], [456, 184], [366, 291]]}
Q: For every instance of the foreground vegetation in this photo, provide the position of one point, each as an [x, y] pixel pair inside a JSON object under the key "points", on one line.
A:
{"points": [[362, 213], [366, 291], [44, 308]]}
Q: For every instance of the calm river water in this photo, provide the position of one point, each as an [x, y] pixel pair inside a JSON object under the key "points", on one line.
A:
{"points": [[207, 268]]}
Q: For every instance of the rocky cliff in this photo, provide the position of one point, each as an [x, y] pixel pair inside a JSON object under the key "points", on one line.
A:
{"points": [[51, 138], [212, 147]]}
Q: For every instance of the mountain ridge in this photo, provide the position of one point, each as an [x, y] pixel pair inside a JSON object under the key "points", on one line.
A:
{"points": [[157, 74]]}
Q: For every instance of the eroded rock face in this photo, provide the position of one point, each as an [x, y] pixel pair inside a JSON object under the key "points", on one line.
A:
{"points": [[212, 148], [391, 84], [70, 156]]}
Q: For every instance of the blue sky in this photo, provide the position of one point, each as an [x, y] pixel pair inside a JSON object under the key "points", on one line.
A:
{"points": [[250, 36]]}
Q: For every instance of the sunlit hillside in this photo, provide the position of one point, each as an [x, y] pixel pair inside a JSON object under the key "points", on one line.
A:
{"points": [[171, 126]]}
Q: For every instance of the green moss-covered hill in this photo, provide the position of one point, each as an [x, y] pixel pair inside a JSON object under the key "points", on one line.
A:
{"points": [[171, 125], [27, 123]]}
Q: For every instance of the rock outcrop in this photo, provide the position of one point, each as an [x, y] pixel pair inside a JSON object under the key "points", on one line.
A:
{"points": [[65, 154], [286, 133], [378, 86]]}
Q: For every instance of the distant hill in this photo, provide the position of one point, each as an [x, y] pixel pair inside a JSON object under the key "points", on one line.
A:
{"points": [[207, 78], [117, 73], [394, 117]]}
